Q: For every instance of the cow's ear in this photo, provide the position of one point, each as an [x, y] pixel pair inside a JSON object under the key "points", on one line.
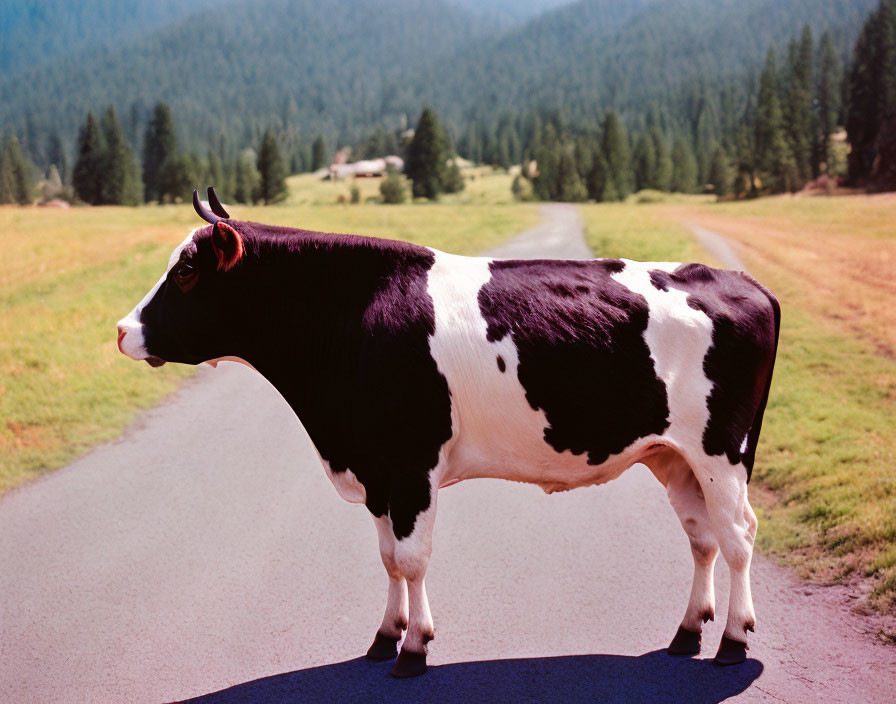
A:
{"points": [[228, 246]]}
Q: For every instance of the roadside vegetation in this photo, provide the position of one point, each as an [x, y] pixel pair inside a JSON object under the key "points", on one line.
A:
{"points": [[69, 275], [824, 485], [829, 448]]}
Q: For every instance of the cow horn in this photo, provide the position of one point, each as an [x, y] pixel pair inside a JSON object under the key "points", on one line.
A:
{"points": [[213, 201], [204, 212]]}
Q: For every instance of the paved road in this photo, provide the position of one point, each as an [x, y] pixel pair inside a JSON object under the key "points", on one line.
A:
{"points": [[206, 551]]}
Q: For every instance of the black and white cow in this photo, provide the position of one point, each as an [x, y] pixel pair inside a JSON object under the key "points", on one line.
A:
{"points": [[413, 369]]}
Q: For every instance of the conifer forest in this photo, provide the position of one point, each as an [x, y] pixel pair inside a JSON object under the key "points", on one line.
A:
{"points": [[593, 99]]}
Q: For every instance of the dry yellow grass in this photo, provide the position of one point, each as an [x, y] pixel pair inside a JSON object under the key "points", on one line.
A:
{"points": [[841, 251], [828, 450]]}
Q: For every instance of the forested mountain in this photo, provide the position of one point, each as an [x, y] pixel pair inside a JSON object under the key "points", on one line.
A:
{"points": [[596, 54], [35, 31], [509, 12], [231, 71], [342, 67]]}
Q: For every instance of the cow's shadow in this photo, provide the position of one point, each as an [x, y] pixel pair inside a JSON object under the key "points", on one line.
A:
{"points": [[652, 677]]}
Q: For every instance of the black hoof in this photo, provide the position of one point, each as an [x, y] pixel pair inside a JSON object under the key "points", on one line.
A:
{"points": [[409, 664], [383, 648], [685, 642], [731, 652]]}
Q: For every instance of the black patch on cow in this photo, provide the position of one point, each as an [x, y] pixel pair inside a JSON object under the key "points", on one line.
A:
{"points": [[502, 367], [745, 320], [582, 355], [340, 325]]}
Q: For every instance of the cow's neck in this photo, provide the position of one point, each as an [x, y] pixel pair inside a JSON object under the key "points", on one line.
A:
{"points": [[341, 311]]}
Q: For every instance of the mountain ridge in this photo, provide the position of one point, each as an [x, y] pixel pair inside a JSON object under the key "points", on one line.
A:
{"points": [[342, 68]]}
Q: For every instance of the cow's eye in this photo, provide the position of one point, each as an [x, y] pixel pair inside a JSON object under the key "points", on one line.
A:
{"points": [[185, 276]]}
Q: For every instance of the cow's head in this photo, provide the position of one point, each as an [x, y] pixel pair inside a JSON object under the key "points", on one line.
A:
{"points": [[187, 315]]}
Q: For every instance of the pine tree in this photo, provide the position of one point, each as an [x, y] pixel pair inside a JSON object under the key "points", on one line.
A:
{"points": [[662, 177], [614, 145], [584, 156], [86, 176], [546, 162], [684, 166], [600, 183], [272, 173], [644, 162], [706, 133], [720, 172], [319, 153], [15, 180], [829, 103], [425, 163], [745, 160], [179, 177], [159, 146], [872, 98], [502, 156], [570, 188], [799, 108], [119, 181], [774, 156]]}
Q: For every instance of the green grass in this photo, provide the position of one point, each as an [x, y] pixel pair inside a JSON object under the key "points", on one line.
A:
{"points": [[633, 230], [867, 216], [828, 453], [824, 484], [68, 276]]}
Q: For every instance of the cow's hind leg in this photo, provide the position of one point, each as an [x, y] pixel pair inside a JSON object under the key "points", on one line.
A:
{"points": [[687, 499], [412, 557], [734, 523], [395, 620]]}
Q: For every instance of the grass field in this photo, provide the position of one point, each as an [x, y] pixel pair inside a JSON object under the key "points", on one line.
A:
{"points": [[68, 276], [825, 479]]}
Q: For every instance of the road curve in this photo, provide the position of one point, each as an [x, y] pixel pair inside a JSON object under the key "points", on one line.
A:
{"points": [[205, 553], [718, 246]]}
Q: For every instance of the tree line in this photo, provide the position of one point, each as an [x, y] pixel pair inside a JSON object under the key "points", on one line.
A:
{"points": [[777, 138], [770, 133], [107, 172], [871, 122]]}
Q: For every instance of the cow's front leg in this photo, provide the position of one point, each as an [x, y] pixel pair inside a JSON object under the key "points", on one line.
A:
{"points": [[395, 620], [412, 557]]}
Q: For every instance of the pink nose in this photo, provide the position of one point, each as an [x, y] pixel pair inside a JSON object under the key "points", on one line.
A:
{"points": [[121, 334]]}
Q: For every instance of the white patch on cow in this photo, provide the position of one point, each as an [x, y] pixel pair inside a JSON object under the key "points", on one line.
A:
{"points": [[346, 484], [678, 338], [496, 432], [133, 344], [743, 445], [411, 556]]}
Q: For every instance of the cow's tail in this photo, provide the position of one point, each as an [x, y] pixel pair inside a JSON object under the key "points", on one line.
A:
{"points": [[749, 455]]}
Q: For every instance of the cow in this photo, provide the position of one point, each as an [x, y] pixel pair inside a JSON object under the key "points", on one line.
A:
{"points": [[412, 369]]}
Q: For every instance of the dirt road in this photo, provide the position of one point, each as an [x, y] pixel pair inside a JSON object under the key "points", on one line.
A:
{"points": [[207, 551]]}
